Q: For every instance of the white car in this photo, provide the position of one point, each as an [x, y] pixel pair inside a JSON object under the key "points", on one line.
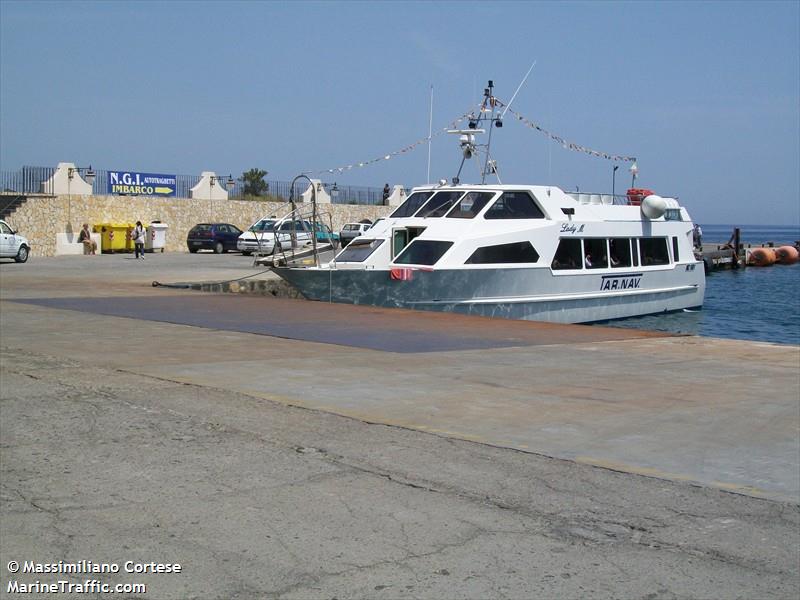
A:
{"points": [[351, 231], [259, 237], [13, 245], [262, 235]]}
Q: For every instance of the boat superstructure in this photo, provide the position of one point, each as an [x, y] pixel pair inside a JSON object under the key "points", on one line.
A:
{"points": [[519, 252]]}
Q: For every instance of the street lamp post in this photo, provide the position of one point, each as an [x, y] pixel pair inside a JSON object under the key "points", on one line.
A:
{"points": [[229, 183], [89, 175], [213, 180], [613, 182]]}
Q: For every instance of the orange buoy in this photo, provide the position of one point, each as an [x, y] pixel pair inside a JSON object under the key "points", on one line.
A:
{"points": [[787, 255], [761, 257]]}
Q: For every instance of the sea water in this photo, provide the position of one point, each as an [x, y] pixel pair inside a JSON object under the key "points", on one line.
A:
{"points": [[753, 303], [751, 234]]}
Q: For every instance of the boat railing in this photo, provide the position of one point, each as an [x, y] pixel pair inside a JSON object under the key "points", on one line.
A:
{"points": [[607, 199], [288, 245]]}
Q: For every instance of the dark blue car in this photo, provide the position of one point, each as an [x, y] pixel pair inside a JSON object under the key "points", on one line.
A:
{"points": [[219, 237]]}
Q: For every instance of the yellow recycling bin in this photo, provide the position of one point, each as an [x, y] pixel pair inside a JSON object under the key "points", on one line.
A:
{"points": [[115, 237]]}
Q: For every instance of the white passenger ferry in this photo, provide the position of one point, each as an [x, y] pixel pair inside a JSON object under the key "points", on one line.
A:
{"points": [[528, 252]]}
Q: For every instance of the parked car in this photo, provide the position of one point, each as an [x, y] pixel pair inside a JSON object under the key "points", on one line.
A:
{"points": [[219, 237], [324, 234], [259, 237], [351, 231], [12, 244], [268, 235], [301, 230]]}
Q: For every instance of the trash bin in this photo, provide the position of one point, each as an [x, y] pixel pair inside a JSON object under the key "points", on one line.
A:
{"points": [[156, 236], [115, 237]]}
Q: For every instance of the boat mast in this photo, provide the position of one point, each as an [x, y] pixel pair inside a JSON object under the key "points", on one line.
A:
{"points": [[467, 136], [488, 98]]}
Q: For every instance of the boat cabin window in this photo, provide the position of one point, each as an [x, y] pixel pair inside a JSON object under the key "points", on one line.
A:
{"points": [[514, 205], [402, 237], [412, 204], [516, 252], [439, 204], [620, 252], [423, 252], [399, 241], [470, 205], [653, 251], [568, 254], [595, 255], [358, 250]]}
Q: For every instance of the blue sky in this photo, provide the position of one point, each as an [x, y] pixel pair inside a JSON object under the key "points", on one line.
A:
{"points": [[705, 94]]}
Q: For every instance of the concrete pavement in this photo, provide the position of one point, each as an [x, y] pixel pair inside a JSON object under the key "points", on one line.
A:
{"points": [[128, 438]]}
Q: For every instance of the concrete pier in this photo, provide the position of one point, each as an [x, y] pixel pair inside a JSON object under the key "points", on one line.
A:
{"points": [[285, 448]]}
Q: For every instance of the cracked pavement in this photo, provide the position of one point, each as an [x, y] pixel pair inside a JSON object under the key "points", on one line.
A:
{"points": [[258, 499]]}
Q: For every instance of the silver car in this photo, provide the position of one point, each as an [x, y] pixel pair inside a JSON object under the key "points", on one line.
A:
{"points": [[351, 231]]}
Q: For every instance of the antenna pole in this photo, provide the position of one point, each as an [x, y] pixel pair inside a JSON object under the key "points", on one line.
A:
{"points": [[533, 64], [430, 134], [489, 99]]}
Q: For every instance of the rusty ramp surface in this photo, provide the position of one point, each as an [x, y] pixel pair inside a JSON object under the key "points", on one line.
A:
{"points": [[384, 329]]}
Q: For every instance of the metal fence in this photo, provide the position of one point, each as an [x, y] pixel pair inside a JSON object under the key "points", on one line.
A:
{"points": [[353, 194], [30, 180], [27, 180]]}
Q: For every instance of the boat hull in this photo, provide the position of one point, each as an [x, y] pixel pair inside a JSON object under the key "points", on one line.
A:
{"points": [[535, 294]]}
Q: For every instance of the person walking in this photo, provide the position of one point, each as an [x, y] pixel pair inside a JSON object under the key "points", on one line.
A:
{"points": [[138, 237]]}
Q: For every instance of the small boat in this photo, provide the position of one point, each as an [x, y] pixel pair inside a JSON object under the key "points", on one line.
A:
{"points": [[532, 252]]}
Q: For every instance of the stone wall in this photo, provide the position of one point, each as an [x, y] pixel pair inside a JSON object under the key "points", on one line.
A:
{"points": [[40, 218]]}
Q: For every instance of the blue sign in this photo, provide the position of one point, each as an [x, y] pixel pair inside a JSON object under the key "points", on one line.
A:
{"points": [[128, 183]]}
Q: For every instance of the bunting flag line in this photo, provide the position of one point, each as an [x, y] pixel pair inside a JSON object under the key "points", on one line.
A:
{"points": [[388, 156], [564, 143], [488, 105]]}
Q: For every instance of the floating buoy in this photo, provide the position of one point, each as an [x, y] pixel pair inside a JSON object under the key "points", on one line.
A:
{"points": [[787, 255], [761, 257]]}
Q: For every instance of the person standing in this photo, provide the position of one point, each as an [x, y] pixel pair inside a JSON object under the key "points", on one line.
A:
{"points": [[698, 236], [138, 237], [386, 193]]}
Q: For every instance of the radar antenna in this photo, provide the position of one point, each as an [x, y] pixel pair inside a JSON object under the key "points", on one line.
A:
{"points": [[489, 114]]}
